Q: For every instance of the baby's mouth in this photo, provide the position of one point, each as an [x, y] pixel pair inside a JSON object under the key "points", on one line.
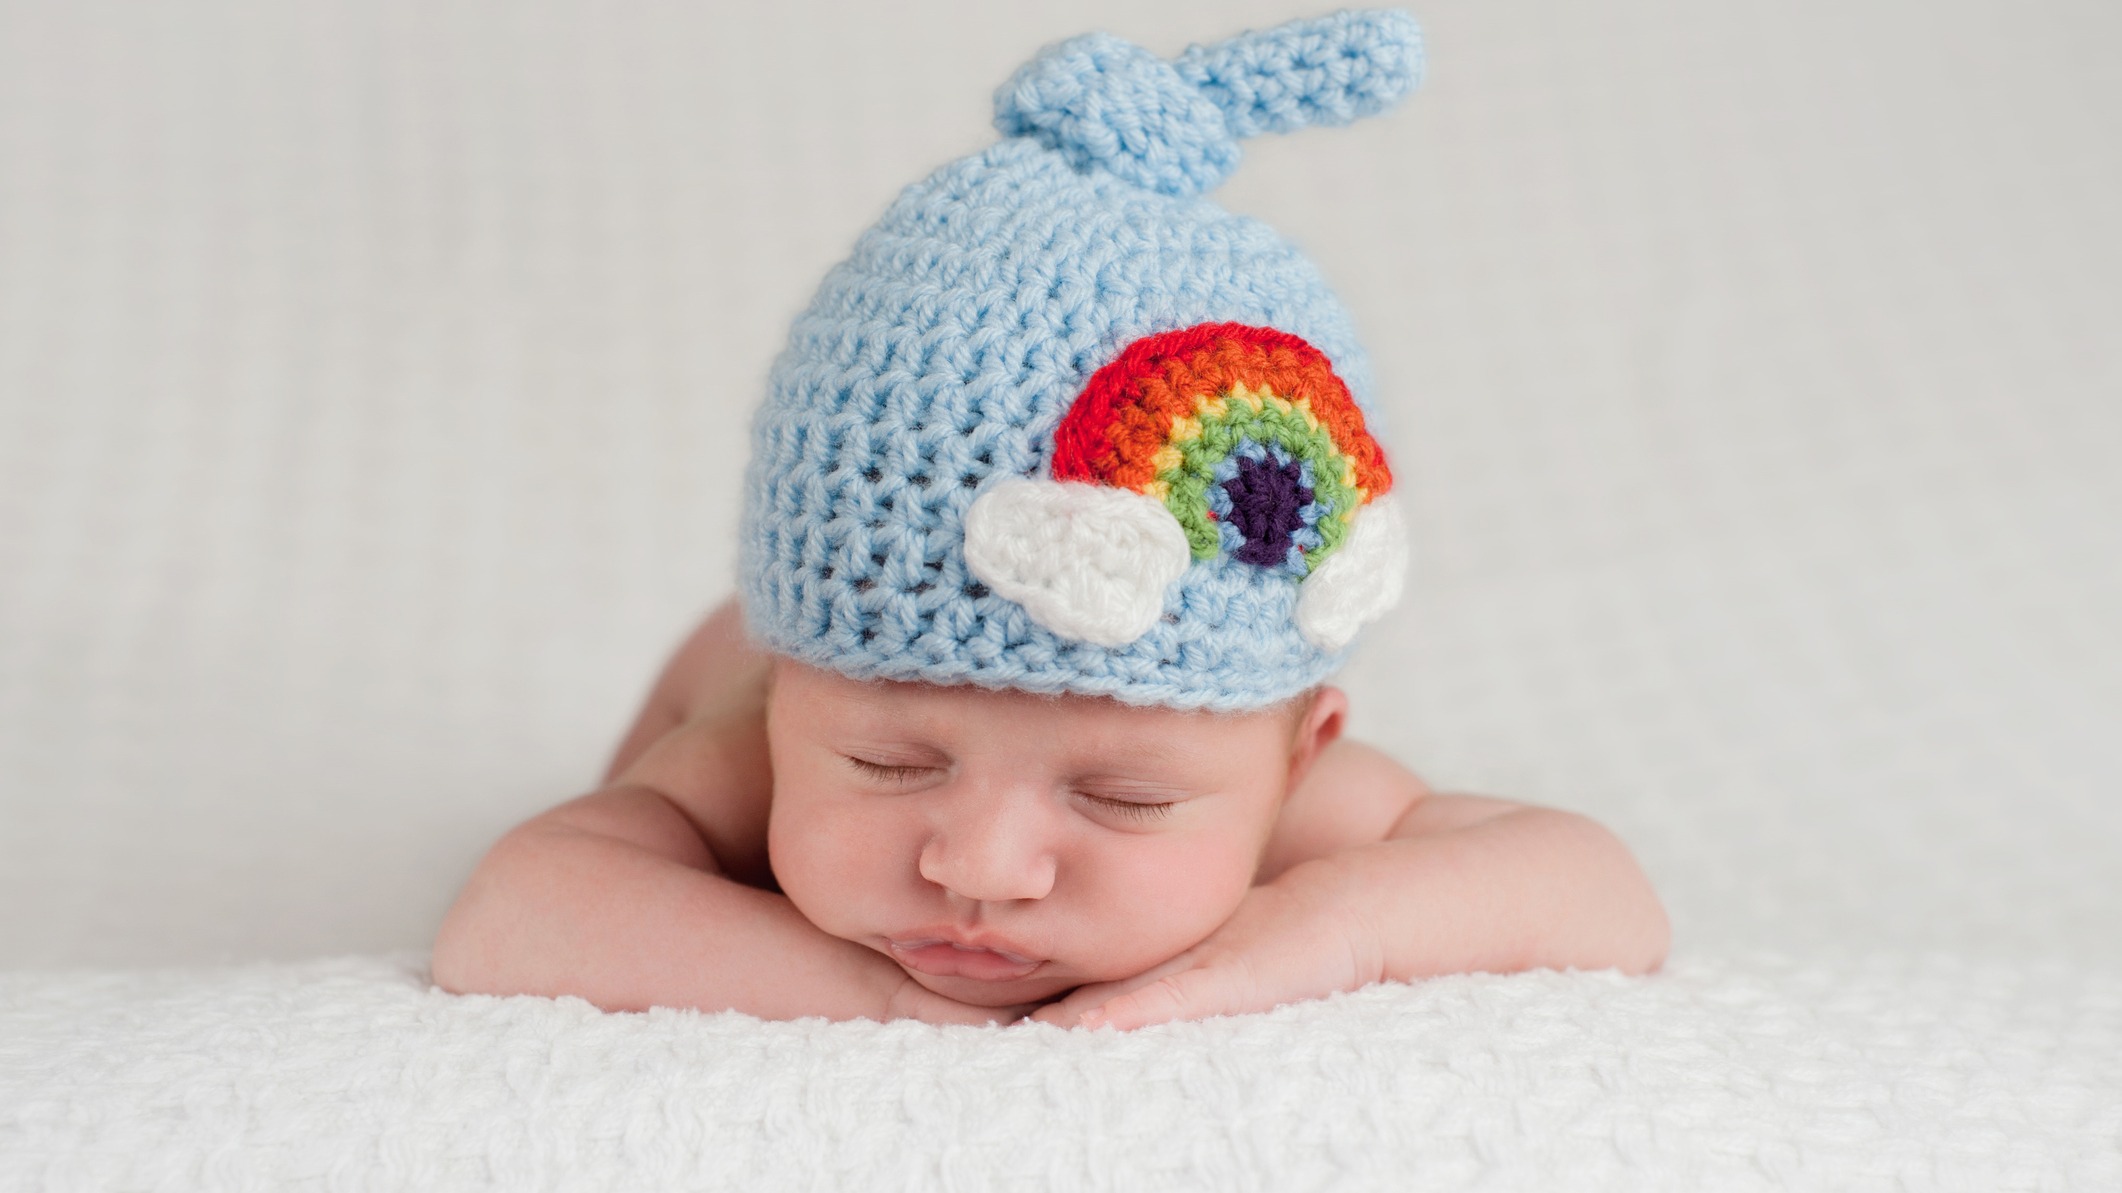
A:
{"points": [[949, 959]]}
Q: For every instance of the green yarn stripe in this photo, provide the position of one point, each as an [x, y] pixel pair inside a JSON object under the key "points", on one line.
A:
{"points": [[1189, 483]]}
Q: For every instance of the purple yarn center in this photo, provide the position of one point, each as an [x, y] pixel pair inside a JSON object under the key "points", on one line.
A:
{"points": [[1267, 500]]}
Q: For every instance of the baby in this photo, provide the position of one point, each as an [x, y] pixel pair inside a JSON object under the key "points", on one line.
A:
{"points": [[1063, 506]]}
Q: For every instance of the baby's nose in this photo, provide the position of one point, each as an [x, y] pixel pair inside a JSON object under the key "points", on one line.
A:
{"points": [[993, 851]]}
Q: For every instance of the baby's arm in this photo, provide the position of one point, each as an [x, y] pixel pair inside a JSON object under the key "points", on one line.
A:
{"points": [[630, 897], [1381, 880], [1467, 883], [615, 898]]}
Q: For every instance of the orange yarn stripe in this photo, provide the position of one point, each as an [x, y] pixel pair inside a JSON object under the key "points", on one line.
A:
{"points": [[1114, 429]]}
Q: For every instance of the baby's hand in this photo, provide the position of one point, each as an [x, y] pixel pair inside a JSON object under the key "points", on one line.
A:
{"points": [[1290, 940]]}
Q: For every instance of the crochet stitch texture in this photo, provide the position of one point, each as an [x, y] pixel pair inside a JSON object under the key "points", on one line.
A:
{"points": [[936, 365]]}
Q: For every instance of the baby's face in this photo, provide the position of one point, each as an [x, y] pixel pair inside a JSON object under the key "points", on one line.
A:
{"points": [[1005, 847]]}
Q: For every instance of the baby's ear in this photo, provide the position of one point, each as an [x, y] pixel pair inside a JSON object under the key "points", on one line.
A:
{"points": [[1319, 727]]}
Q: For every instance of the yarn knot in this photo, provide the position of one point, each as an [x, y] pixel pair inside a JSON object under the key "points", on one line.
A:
{"points": [[1173, 127]]}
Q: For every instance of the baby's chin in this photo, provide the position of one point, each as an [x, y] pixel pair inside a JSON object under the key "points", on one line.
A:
{"points": [[1046, 983], [1052, 979]]}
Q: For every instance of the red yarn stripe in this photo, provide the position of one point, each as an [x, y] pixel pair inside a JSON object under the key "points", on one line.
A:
{"points": [[1116, 426]]}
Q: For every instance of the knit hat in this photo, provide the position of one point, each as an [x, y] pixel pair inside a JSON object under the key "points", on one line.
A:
{"points": [[1060, 424]]}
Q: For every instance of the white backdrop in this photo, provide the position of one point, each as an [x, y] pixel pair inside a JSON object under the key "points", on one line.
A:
{"points": [[373, 383]]}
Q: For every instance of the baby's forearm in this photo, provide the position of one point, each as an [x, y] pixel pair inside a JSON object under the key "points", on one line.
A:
{"points": [[1529, 888], [612, 898]]}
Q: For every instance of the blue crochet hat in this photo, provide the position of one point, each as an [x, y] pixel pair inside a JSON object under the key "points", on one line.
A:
{"points": [[1060, 424]]}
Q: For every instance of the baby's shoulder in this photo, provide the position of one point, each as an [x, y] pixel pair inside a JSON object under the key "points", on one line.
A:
{"points": [[716, 770], [1352, 795]]}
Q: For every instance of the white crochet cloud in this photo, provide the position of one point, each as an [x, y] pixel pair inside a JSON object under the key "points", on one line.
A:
{"points": [[1086, 561], [1358, 582]]}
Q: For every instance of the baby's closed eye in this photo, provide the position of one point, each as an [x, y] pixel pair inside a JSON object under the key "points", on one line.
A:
{"points": [[1134, 809], [890, 772]]}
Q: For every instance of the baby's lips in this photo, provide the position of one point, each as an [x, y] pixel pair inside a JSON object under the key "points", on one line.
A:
{"points": [[941, 957], [910, 945]]}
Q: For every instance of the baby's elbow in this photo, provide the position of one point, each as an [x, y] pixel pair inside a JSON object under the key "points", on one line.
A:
{"points": [[468, 957], [1650, 940], [449, 969], [461, 962], [1639, 932]]}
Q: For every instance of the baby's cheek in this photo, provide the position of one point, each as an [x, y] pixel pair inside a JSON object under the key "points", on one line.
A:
{"points": [[827, 862], [1162, 902]]}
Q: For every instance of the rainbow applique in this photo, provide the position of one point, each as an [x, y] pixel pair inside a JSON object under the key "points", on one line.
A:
{"points": [[1218, 441], [1244, 433]]}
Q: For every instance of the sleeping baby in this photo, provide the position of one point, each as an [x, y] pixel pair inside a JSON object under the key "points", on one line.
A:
{"points": [[1064, 504]]}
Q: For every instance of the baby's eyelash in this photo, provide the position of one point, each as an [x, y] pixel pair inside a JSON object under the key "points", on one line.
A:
{"points": [[1130, 808], [878, 770]]}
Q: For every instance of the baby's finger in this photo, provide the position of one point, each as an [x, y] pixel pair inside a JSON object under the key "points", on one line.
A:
{"points": [[1064, 1012], [1067, 1012], [1060, 1014], [1189, 994]]}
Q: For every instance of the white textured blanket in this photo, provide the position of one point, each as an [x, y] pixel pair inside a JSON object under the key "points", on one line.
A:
{"points": [[1745, 1075], [373, 377]]}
